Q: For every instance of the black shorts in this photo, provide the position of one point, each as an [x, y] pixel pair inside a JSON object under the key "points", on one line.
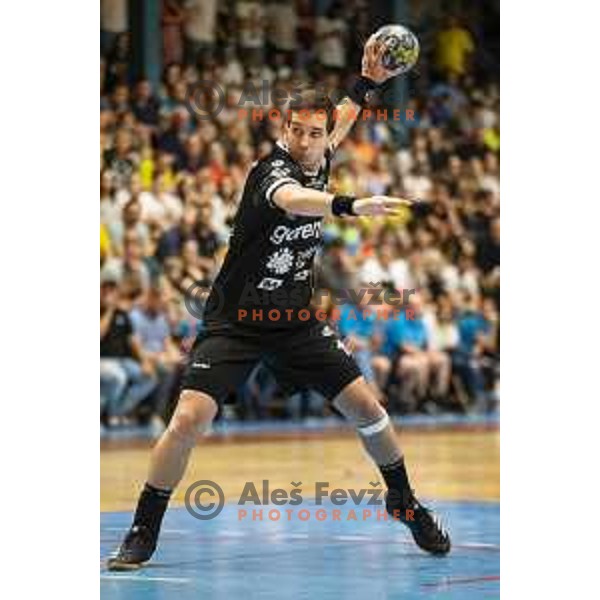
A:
{"points": [[306, 357]]}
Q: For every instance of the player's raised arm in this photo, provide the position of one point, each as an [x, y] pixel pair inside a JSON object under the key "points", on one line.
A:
{"points": [[305, 201], [372, 75]]}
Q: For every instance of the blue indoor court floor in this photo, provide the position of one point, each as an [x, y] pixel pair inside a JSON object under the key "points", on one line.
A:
{"points": [[228, 558]]}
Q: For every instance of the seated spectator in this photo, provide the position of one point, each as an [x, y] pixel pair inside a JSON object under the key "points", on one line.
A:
{"points": [[305, 403], [145, 105], [418, 183], [172, 240], [159, 204], [464, 275], [126, 374], [110, 213], [442, 327], [193, 269], [387, 267], [454, 46], [132, 265], [192, 157], [172, 140], [473, 329], [105, 245], [423, 373], [491, 357], [119, 159], [131, 222], [206, 236], [151, 327], [257, 394], [443, 339], [225, 205], [358, 326], [488, 259], [336, 266]]}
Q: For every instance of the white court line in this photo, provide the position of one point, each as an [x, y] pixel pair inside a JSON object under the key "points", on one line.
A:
{"points": [[144, 578], [478, 545]]}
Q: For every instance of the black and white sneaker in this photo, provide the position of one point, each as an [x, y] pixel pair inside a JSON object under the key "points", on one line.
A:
{"points": [[426, 528], [137, 548]]}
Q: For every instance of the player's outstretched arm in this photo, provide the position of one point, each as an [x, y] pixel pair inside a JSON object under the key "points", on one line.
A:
{"points": [[372, 75], [305, 201]]}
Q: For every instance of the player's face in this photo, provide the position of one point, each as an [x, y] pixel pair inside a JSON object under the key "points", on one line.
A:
{"points": [[306, 138]]}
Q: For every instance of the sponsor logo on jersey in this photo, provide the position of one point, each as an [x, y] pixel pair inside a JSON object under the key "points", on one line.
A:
{"points": [[270, 284], [302, 275], [281, 261], [283, 233]]}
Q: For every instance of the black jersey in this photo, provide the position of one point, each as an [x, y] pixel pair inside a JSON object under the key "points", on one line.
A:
{"points": [[266, 280]]}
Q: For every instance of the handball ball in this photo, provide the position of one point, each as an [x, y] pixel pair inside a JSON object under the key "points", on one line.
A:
{"points": [[402, 48]]}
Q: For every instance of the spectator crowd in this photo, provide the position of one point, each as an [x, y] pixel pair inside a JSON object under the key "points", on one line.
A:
{"points": [[170, 184]]}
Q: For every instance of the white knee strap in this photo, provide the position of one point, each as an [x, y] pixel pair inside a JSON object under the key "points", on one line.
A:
{"points": [[376, 427]]}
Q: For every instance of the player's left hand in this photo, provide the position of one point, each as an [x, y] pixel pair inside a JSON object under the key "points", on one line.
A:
{"points": [[371, 62], [380, 205]]}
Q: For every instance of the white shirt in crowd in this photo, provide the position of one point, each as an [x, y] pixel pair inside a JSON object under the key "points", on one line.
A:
{"points": [[110, 211], [490, 183], [114, 15], [404, 162], [251, 32], [282, 22], [233, 73], [330, 49], [441, 336], [166, 208], [397, 272], [417, 186], [201, 22], [219, 218], [455, 281], [114, 269]]}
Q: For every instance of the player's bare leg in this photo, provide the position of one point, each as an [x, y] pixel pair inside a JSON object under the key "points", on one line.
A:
{"points": [[193, 415], [360, 406]]}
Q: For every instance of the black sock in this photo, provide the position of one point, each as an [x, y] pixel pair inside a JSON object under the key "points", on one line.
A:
{"points": [[151, 507], [400, 494]]}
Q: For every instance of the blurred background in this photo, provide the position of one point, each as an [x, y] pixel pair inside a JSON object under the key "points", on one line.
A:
{"points": [[170, 184]]}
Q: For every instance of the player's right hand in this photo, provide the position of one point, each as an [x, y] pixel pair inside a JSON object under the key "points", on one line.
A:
{"points": [[371, 62], [380, 205]]}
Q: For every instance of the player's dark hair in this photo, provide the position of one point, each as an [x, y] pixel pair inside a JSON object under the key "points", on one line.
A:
{"points": [[312, 99]]}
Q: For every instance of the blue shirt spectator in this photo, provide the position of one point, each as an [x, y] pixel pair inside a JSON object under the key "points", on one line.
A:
{"points": [[152, 329], [359, 331], [402, 330], [353, 322], [471, 325]]}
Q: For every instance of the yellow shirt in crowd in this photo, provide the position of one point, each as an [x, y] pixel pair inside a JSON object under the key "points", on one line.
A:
{"points": [[452, 48], [104, 241]]}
